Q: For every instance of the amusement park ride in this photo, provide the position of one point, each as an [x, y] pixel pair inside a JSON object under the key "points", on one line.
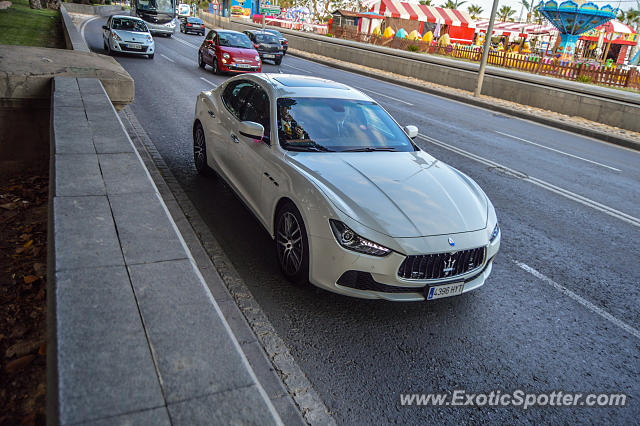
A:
{"points": [[573, 19]]}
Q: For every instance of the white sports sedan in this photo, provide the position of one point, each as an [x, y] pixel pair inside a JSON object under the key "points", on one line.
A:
{"points": [[353, 205], [127, 34]]}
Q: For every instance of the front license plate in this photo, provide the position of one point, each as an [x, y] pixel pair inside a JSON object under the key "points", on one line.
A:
{"points": [[243, 66], [134, 46], [447, 290], [267, 55]]}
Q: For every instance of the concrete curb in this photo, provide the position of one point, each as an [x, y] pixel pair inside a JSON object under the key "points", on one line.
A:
{"points": [[136, 335], [563, 125]]}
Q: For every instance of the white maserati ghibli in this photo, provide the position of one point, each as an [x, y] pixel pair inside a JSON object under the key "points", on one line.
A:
{"points": [[353, 204]]}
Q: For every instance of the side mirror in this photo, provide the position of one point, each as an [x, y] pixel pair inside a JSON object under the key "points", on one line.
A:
{"points": [[104, 27], [411, 131], [209, 42], [251, 129]]}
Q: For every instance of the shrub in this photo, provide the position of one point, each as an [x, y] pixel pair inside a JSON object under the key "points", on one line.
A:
{"points": [[413, 48], [329, 35], [583, 78]]}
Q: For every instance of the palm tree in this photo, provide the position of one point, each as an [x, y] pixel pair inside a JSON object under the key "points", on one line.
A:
{"points": [[453, 4], [505, 13], [475, 11], [426, 2], [525, 6]]}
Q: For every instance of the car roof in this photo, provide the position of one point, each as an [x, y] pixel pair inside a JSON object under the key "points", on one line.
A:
{"points": [[295, 85], [221, 31]]}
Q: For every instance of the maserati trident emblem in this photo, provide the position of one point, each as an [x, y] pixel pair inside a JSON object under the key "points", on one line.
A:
{"points": [[451, 242], [448, 266]]}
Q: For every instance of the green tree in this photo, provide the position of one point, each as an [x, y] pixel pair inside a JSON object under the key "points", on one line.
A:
{"points": [[426, 2], [475, 11], [453, 4], [505, 12]]}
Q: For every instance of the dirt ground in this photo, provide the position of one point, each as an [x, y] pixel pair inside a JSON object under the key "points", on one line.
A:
{"points": [[23, 273]]}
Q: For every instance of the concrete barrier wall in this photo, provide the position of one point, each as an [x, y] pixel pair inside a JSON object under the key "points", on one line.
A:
{"points": [[87, 9], [617, 108]]}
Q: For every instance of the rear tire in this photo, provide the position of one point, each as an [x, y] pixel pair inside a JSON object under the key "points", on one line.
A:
{"points": [[200, 151], [292, 245]]}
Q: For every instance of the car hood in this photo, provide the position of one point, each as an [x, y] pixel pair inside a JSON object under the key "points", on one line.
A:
{"points": [[239, 52], [132, 36], [400, 194]]}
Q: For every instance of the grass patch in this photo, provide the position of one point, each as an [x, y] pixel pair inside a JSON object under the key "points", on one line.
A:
{"points": [[23, 26]]}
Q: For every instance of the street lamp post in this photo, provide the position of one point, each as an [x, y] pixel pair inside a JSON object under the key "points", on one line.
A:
{"points": [[485, 49]]}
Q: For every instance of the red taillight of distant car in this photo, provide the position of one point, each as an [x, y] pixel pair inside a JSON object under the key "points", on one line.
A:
{"points": [[189, 25]]}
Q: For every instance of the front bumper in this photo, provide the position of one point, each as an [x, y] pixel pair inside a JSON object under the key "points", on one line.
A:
{"points": [[147, 49], [272, 56], [160, 29], [329, 262], [234, 68]]}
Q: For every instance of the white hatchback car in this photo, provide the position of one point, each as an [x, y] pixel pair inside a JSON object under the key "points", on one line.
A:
{"points": [[353, 205], [127, 34]]}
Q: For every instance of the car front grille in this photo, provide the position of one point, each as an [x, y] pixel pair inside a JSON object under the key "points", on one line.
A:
{"points": [[441, 265], [364, 281]]}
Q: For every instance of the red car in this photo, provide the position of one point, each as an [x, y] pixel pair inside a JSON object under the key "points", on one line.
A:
{"points": [[229, 51]]}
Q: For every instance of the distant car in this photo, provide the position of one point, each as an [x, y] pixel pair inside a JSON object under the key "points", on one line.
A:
{"points": [[229, 51], [192, 24], [127, 34], [352, 203], [283, 41], [267, 45]]}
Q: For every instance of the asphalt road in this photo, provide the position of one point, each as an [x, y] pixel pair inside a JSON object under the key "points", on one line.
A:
{"points": [[551, 317]]}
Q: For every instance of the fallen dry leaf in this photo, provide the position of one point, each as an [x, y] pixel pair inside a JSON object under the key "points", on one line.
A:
{"points": [[23, 348], [43, 348], [28, 244], [18, 364], [9, 206], [30, 279]]}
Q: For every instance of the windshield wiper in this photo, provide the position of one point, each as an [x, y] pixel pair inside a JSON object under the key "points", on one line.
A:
{"points": [[307, 146], [369, 149]]}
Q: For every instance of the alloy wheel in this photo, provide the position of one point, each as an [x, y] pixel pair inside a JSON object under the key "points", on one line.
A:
{"points": [[289, 244], [199, 150]]}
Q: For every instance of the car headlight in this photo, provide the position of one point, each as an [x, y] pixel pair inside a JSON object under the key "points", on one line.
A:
{"points": [[149, 39], [257, 58], [226, 56], [494, 234], [348, 239], [116, 37]]}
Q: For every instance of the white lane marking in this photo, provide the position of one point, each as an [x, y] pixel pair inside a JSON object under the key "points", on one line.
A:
{"points": [[84, 26], [558, 151], [210, 82], [168, 58], [186, 43], [296, 68], [590, 306], [539, 182], [382, 94]]}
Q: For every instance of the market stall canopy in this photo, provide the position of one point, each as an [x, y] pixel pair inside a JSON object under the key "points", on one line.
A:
{"points": [[422, 13], [500, 28], [614, 26]]}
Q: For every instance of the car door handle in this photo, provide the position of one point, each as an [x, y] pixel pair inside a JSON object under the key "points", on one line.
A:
{"points": [[211, 113], [235, 138]]}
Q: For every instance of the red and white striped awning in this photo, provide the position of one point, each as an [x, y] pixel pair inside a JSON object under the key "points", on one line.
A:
{"points": [[614, 26], [500, 28], [419, 12]]}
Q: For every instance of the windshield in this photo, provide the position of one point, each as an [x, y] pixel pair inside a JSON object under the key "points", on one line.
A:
{"points": [[158, 6], [325, 124], [234, 40], [267, 38], [194, 20], [127, 24]]}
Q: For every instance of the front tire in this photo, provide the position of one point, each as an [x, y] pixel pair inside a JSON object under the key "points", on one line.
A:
{"points": [[108, 47], [150, 56], [292, 245], [278, 61], [214, 65], [200, 151], [201, 63]]}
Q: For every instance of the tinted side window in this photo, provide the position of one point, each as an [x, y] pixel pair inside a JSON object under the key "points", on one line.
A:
{"points": [[235, 95], [211, 35], [256, 109]]}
